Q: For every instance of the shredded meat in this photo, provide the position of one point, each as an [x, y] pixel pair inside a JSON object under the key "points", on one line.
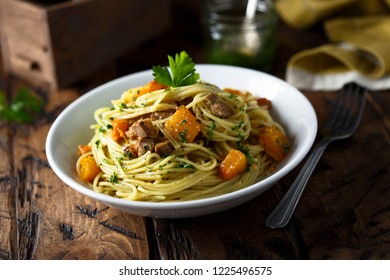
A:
{"points": [[160, 115], [218, 107], [144, 145], [163, 148], [143, 128]]}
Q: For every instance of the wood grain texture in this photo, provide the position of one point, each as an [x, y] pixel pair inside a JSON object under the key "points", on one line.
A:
{"points": [[239, 233], [7, 184], [44, 218]]}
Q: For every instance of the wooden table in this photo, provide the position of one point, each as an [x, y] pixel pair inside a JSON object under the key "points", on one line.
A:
{"points": [[344, 212]]}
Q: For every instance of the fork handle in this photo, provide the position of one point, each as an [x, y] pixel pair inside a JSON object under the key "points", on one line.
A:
{"points": [[281, 215]]}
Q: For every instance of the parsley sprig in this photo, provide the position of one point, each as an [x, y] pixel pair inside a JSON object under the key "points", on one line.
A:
{"points": [[22, 108], [182, 69]]}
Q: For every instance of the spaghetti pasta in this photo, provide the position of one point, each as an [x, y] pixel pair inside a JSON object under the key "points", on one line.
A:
{"points": [[174, 141]]}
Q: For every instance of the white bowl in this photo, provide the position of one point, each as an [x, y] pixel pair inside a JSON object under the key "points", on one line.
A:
{"points": [[289, 106]]}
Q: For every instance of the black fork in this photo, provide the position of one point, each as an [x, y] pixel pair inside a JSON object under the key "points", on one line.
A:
{"points": [[343, 122]]}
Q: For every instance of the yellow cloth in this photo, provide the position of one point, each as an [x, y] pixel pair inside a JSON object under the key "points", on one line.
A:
{"points": [[358, 48], [303, 14]]}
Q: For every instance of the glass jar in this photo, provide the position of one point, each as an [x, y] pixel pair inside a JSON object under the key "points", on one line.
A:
{"points": [[234, 38]]}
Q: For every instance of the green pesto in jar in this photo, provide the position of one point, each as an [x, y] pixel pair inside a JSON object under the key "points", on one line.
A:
{"points": [[231, 39]]}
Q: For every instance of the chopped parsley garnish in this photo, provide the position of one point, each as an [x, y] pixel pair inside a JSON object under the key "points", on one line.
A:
{"points": [[246, 151], [185, 165], [122, 106], [237, 126], [120, 161], [183, 136], [210, 132], [182, 69], [103, 129], [114, 178], [233, 96], [128, 153]]}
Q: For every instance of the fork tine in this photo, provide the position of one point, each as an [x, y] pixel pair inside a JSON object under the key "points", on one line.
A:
{"points": [[353, 92], [333, 116], [344, 116], [348, 108], [359, 103]]}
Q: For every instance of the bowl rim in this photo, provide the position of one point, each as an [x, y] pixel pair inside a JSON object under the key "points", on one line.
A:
{"points": [[268, 181]]}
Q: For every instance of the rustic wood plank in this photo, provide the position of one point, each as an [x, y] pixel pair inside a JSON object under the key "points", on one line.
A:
{"points": [[232, 234], [7, 182], [25, 40], [49, 220], [70, 40], [103, 32]]}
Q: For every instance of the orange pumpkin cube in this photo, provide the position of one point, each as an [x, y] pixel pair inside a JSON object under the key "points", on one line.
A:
{"points": [[151, 86], [119, 127], [88, 169], [264, 102], [274, 141], [234, 164], [183, 125], [83, 149]]}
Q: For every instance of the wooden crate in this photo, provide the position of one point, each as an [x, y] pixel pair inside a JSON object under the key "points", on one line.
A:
{"points": [[62, 43]]}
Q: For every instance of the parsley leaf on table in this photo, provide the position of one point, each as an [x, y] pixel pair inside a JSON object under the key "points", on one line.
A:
{"points": [[182, 68], [22, 108]]}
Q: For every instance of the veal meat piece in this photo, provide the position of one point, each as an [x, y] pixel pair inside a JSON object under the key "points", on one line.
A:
{"points": [[143, 145], [160, 115], [218, 107], [163, 148], [143, 128]]}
